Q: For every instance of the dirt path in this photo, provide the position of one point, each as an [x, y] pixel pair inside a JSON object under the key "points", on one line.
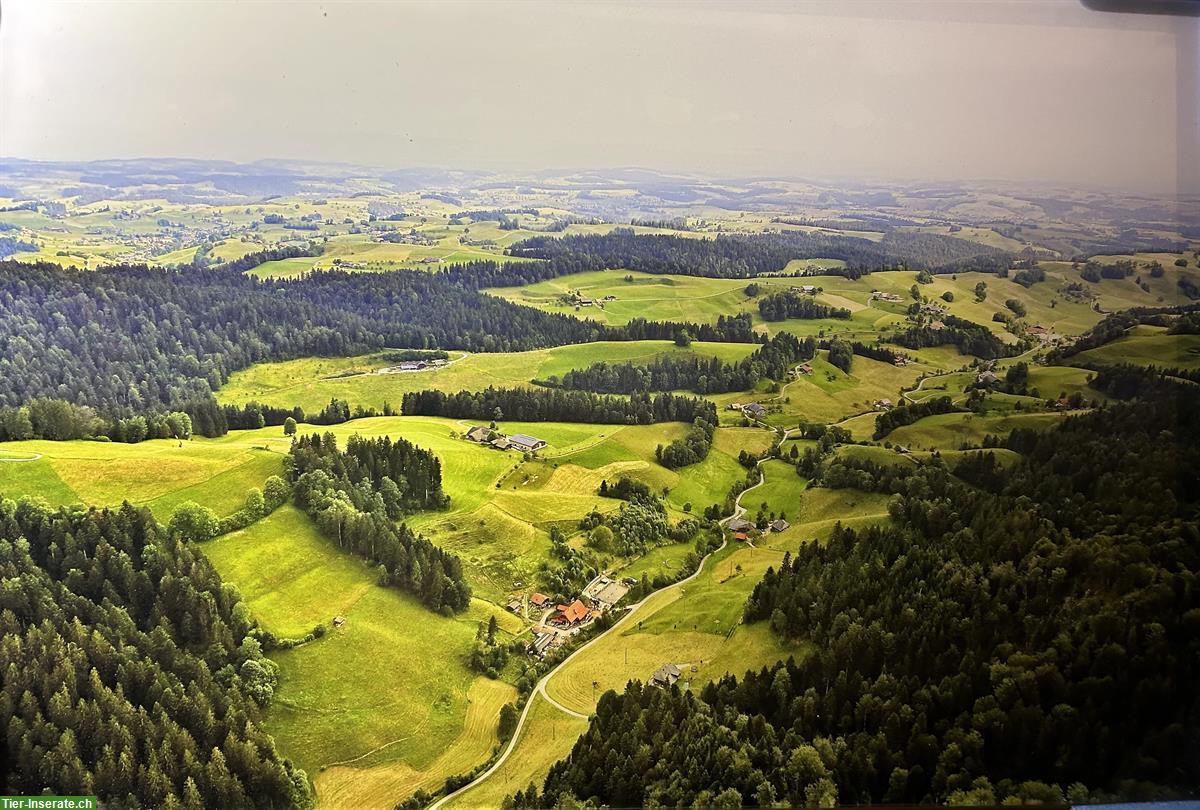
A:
{"points": [[33, 457]]}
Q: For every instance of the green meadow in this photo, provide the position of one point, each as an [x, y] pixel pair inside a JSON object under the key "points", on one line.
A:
{"points": [[312, 382]]}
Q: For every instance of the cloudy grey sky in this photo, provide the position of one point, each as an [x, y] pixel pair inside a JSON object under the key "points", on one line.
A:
{"points": [[905, 90]]}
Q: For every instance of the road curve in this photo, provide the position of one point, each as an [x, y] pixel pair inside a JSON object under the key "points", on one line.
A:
{"points": [[33, 457], [540, 688]]}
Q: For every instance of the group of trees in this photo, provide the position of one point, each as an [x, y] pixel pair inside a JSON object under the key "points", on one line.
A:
{"points": [[552, 405], [841, 354], [704, 375], [1093, 271], [1033, 637], [881, 353], [691, 449], [637, 526], [968, 336], [355, 497], [786, 304], [131, 672], [908, 413], [1029, 276]]}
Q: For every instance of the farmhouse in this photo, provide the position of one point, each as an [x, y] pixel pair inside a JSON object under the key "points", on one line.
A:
{"points": [[809, 289], [526, 443], [414, 365], [585, 302], [740, 525], [570, 615], [479, 433], [806, 368], [665, 676], [501, 443], [986, 378], [754, 410], [539, 600], [741, 537], [779, 525], [514, 605]]}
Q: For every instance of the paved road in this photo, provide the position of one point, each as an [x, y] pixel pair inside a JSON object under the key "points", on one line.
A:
{"points": [[540, 688]]}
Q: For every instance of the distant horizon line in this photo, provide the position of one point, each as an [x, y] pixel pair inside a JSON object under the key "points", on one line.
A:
{"points": [[682, 174]]}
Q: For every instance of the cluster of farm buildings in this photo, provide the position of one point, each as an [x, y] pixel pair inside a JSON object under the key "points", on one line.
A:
{"points": [[414, 365], [560, 620], [579, 300], [742, 528], [481, 434], [751, 409]]}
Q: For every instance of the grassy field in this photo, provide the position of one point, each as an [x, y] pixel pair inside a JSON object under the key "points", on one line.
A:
{"points": [[1145, 349], [394, 709], [159, 474], [949, 431], [548, 734], [312, 382], [702, 300]]}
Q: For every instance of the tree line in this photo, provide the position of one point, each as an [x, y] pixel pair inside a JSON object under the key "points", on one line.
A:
{"points": [[746, 256], [131, 672], [355, 496], [703, 375], [553, 405], [908, 413], [1030, 639]]}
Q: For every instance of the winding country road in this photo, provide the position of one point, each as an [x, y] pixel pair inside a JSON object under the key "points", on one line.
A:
{"points": [[540, 688]]}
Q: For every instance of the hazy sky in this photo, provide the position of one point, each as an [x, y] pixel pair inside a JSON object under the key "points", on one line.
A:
{"points": [[1014, 90]]}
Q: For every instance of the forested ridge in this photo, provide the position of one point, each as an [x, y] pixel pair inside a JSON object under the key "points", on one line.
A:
{"points": [[745, 256], [131, 339], [356, 495], [1034, 635], [130, 671]]}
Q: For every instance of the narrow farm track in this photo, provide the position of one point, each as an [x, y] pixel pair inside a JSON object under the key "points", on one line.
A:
{"points": [[34, 457], [540, 688]]}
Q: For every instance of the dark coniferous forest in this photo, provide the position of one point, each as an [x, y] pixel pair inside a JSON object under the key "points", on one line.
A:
{"points": [[130, 672]]}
